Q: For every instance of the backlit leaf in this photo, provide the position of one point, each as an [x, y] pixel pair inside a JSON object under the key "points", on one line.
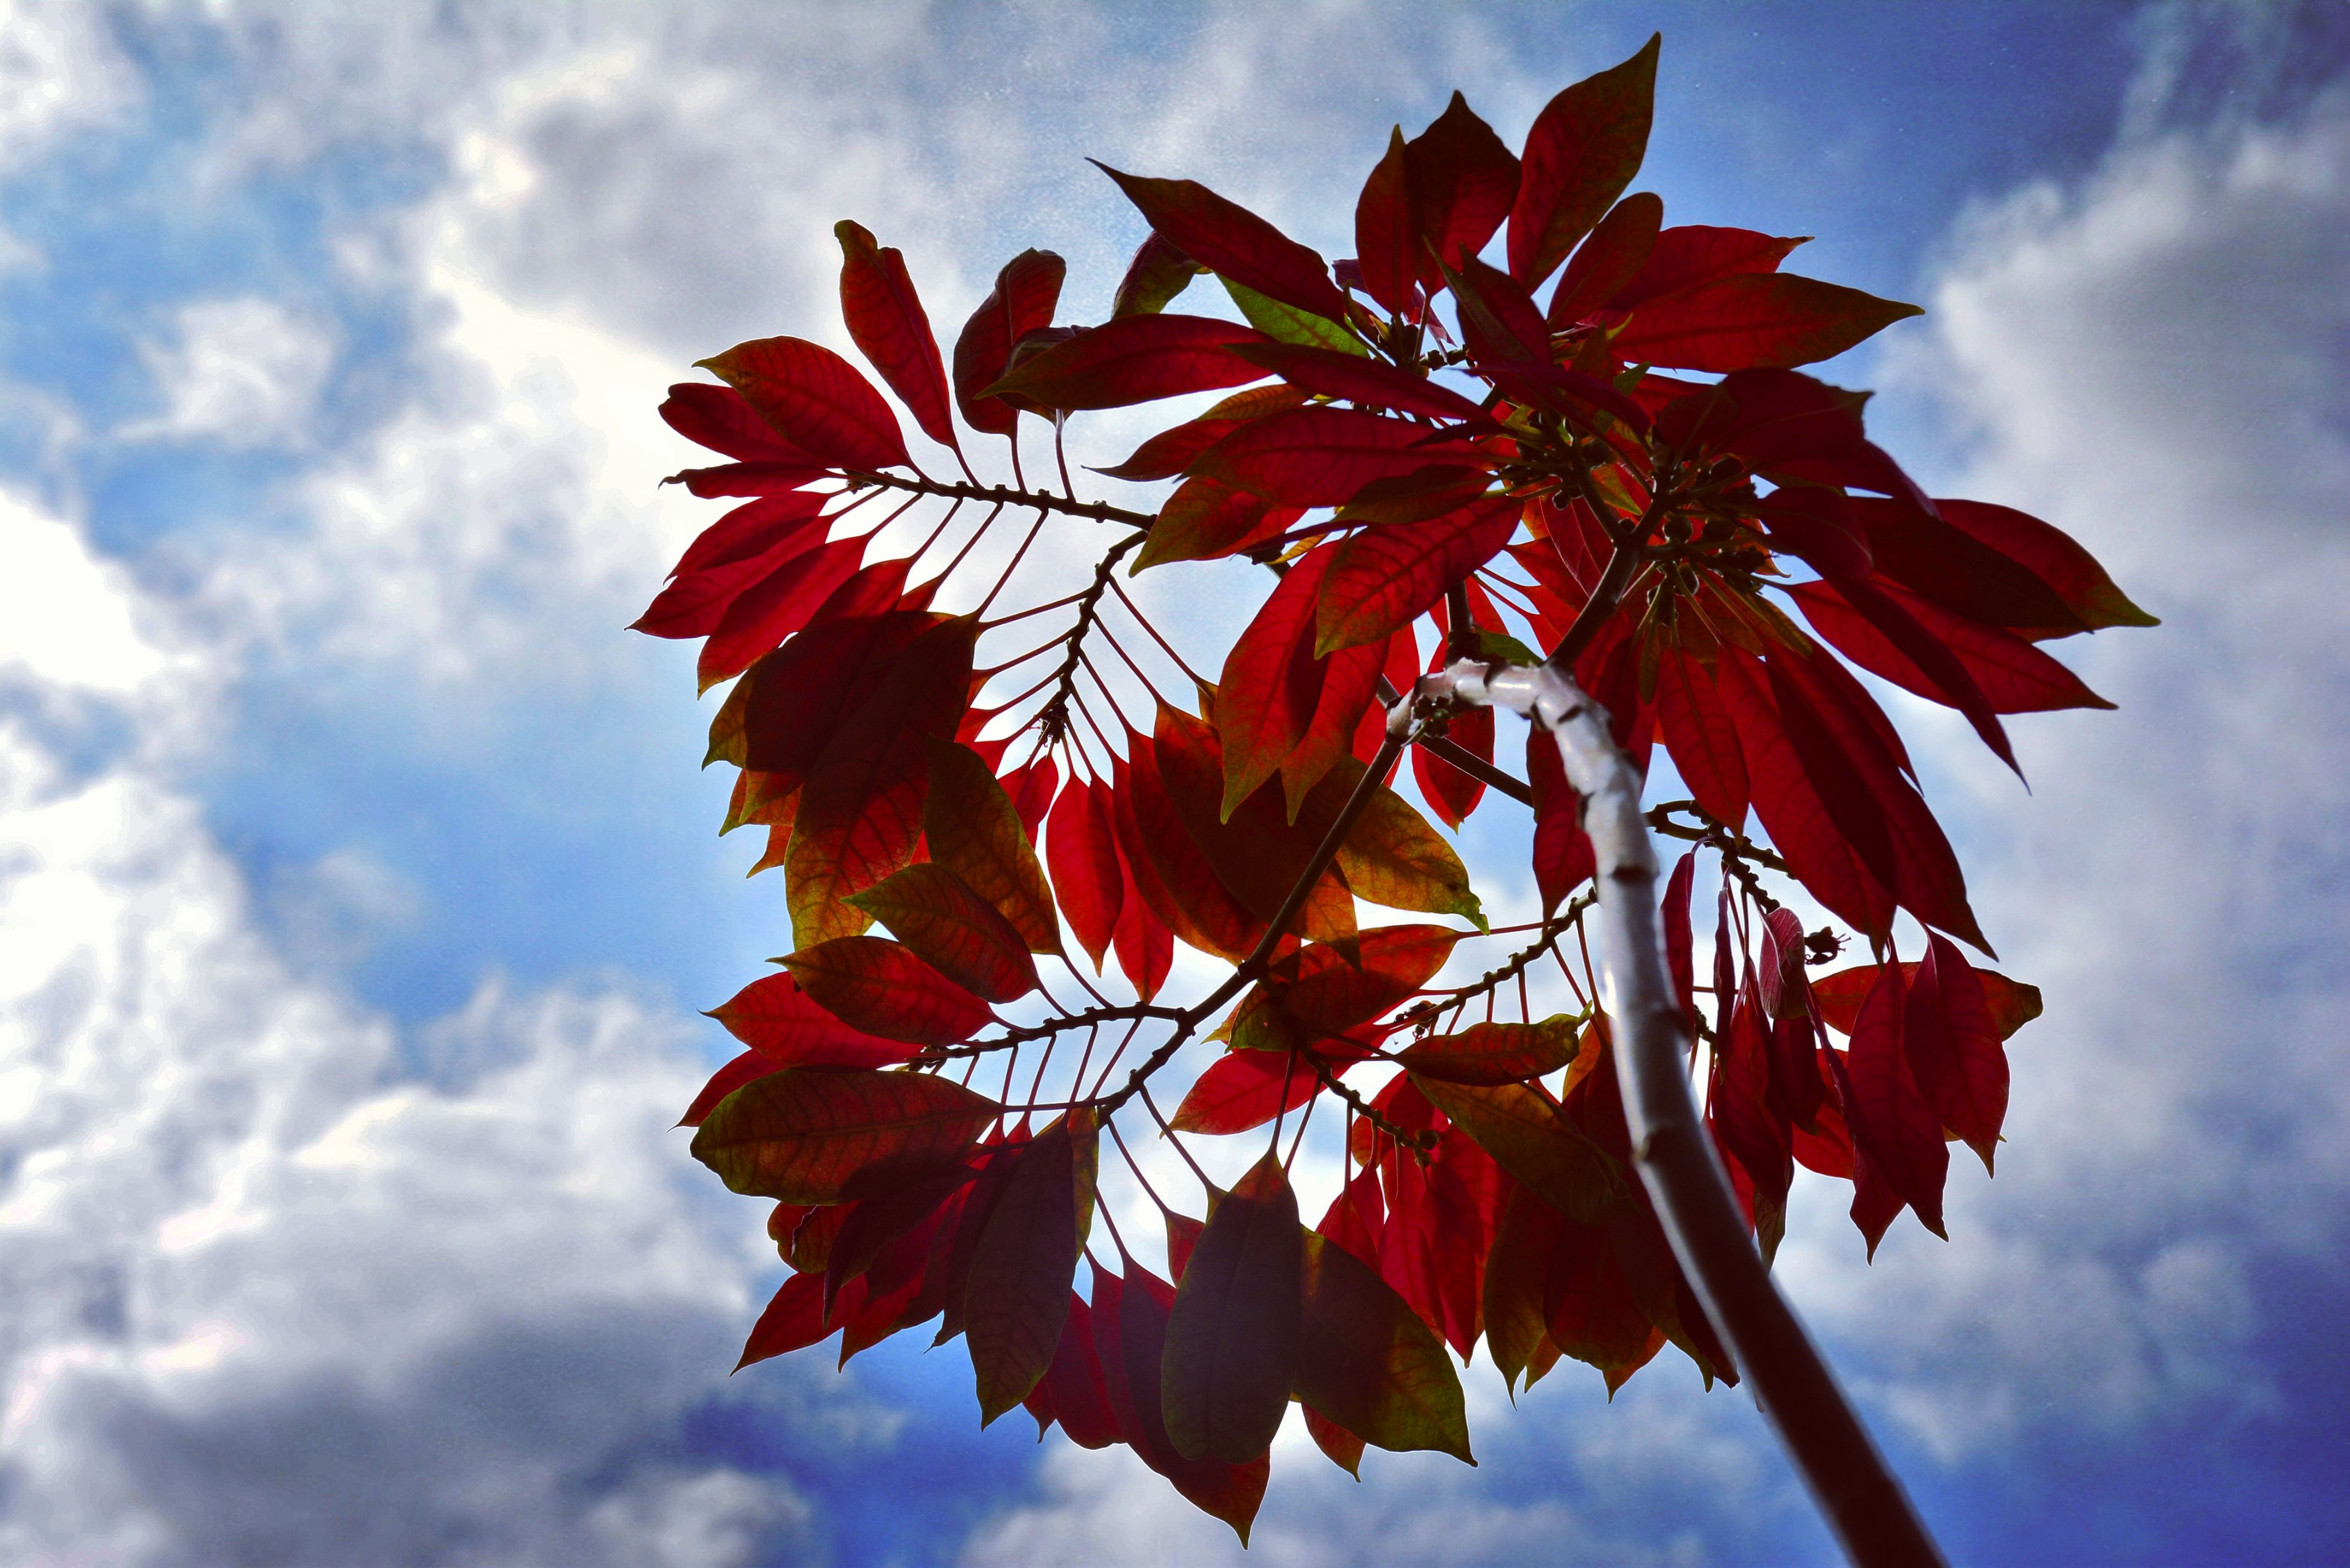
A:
{"points": [[1891, 1122], [1018, 1293], [1081, 845], [975, 829], [1365, 1361], [815, 399], [1531, 1141], [1754, 320], [954, 930], [1954, 1048], [774, 1018], [1134, 360], [1271, 681], [881, 988], [1228, 239], [1584, 149], [1022, 302], [813, 1135], [1233, 1334], [1486, 1055], [1389, 575], [890, 329], [1322, 456]]}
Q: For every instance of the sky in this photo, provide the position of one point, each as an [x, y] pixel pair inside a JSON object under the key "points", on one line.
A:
{"points": [[357, 887]]}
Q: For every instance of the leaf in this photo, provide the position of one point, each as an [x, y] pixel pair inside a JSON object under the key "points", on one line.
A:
{"points": [[1891, 1122], [1389, 575], [1387, 232], [794, 1321], [1232, 1335], [1366, 1362], [1584, 149], [1157, 839], [815, 399], [1955, 687], [882, 989], [1170, 452], [873, 1223], [1146, 945], [1339, 1446], [1772, 319], [1328, 990], [1839, 996], [1349, 682], [1075, 1382], [788, 708], [1018, 1294], [1499, 320], [1694, 254], [2012, 676], [1158, 273], [1286, 324], [723, 420], [1517, 1322], [1563, 857], [1205, 519], [954, 930], [1322, 456], [1609, 260], [1739, 1108], [1488, 1054], [774, 1018], [975, 829], [2051, 555], [1022, 302], [1081, 845], [1244, 1089], [696, 602], [1680, 958], [1464, 181], [1953, 1043], [890, 329], [861, 810], [1131, 1332], [1133, 360], [1395, 859], [1531, 1141], [1696, 727], [766, 613], [750, 1065], [1253, 858], [1453, 793], [1365, 381], [1272, 682], [1229, 240], [808, 1135]]}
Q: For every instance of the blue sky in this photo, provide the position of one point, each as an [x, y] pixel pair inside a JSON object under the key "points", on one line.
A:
{"points": [[358, 890]]}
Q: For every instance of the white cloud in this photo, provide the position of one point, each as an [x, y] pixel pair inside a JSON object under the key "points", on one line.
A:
{"points": [[69, 617], [240, 372]]}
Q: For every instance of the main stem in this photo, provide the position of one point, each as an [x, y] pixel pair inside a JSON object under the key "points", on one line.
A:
{"points": [[1863, 1501]]}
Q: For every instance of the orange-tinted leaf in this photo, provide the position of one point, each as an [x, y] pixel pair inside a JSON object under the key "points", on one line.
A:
{"points": [[812, 1135], [1196, 904], [1326, 991], [954, 930], [1772, 319], [890, 329], [974, 828], [1227, 238], [1584, 149], [1022, 302], [1252, 858], [1535, 1144], [1394, 857], [1365, 1361], [881, 988], [1271, 684], [1322, 456], [1232, 1335], [1838, 997], [815, 399], [1487, 1055], [1387, 575], [1517, 1321], [1134, 360], [1954, 1048], [1017, 1298], [1341, 1446]]}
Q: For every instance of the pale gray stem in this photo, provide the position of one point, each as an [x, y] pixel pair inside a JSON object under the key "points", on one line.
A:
{"points": [[1860, 1496]]}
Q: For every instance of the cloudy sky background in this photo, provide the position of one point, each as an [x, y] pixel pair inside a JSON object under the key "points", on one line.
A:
{"points": [[358, 891]]}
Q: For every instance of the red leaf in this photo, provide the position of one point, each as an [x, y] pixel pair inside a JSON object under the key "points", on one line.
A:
{"points": [[1891, 1123], [2012, 676], [1499, 320], [1485, 1054], [696, 602], [1170, 452], [1339, 1446], [750, 1065], [721, 418], [1954, 1048], [1693, 253], [1174, 876], [1351, 679], [1145, 946], [881, 988], [1751, 320], [1463, 183], [1603, 264], [1543, 1150], [809, 1135], [1367, 1367], [1360, 381], [1838, 997], [776, 1019], [1955, 687], [1815, 525], [1681, 958], [890, 329], [1018, 1293], [794, 1321], [1454, 794], [1206, 519], [1251, 859], [1563, 858], [1229, 239], [977, 830], [1244, 1089], [954, 930], [816, 399], [1129, 1322], [1697, 730], [1082, 849], [1133, 360], [1322, 456], [768, 611], [2051, 555], [1387, 232], [874, 1223], [1022, 302], [1270, 685], [747, 478], [1389, 575], [1739, 1108], [1079, 1391], [1584, 149], [750, 530], [1232, 1333]]}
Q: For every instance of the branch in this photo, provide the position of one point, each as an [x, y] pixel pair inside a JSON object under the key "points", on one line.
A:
{"points": [[1002, 495], [1510, 967], [1858, 1494], [1053, 718], [1461, 757]]}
